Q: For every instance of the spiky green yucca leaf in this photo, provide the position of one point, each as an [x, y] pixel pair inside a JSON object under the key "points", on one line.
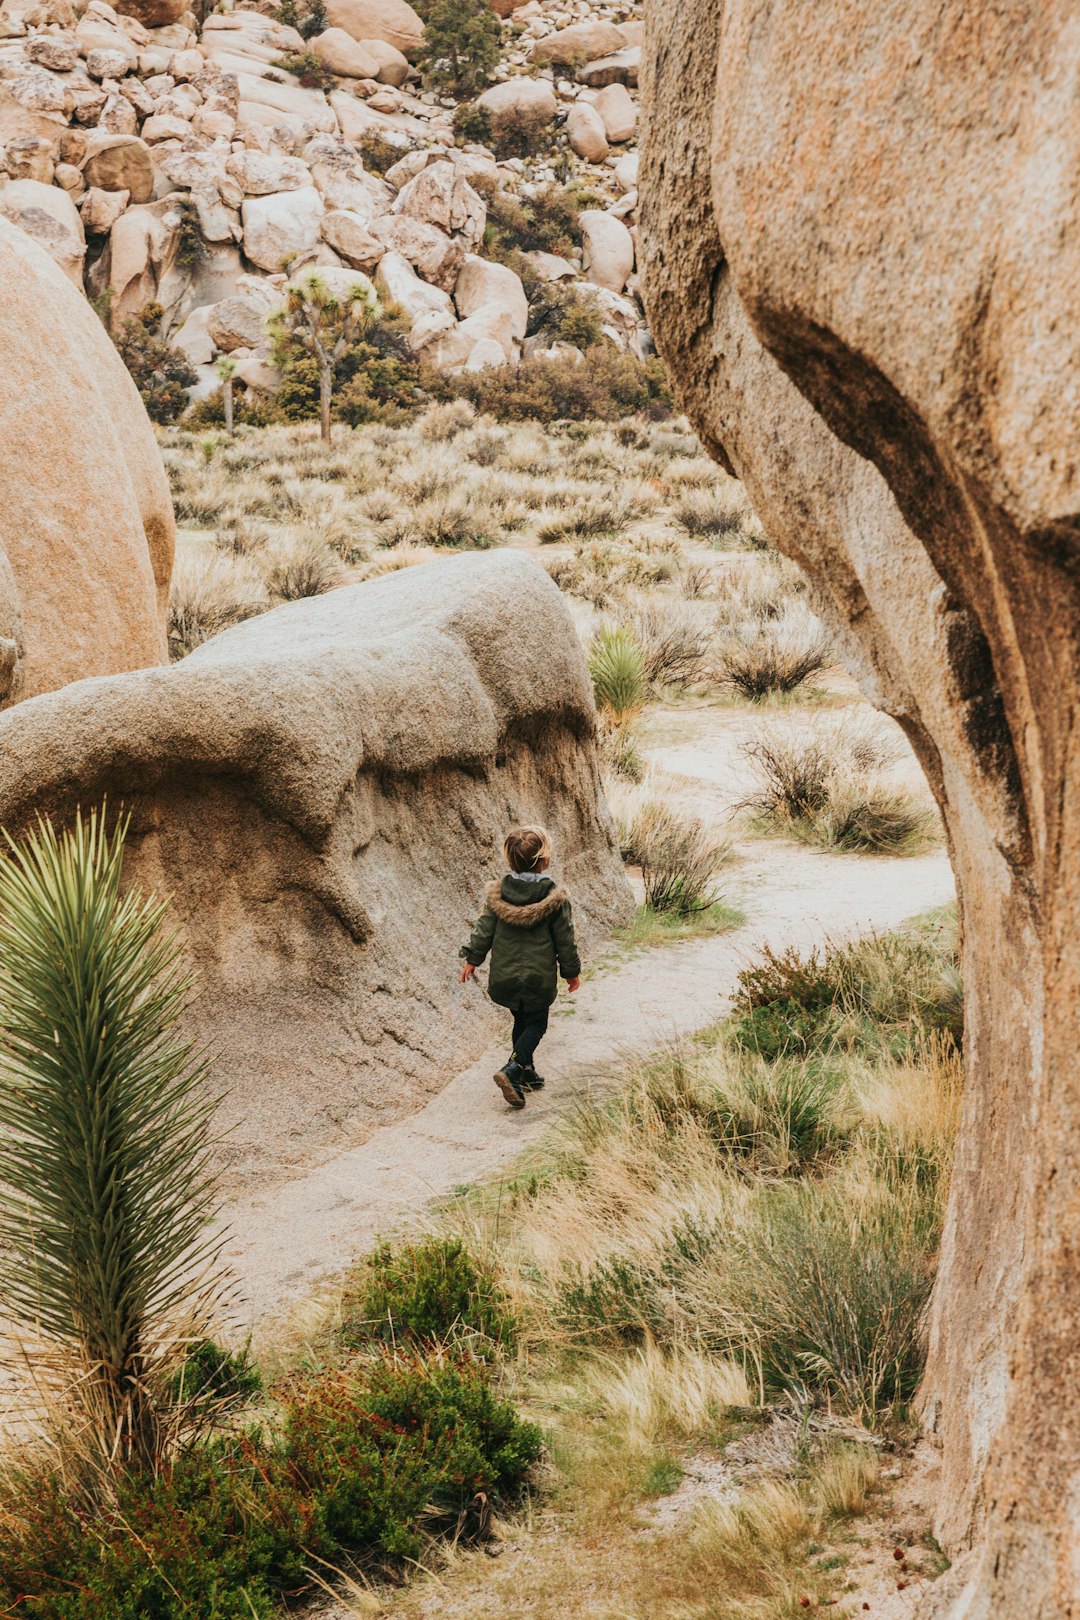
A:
{"points": [[617, 667], [105, 1186]]}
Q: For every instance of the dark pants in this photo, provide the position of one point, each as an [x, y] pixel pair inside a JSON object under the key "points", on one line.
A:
{"points": [[530, 1027]]}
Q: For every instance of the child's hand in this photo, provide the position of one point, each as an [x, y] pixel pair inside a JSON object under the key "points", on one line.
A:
{"points": [[467, 972], [573, 984]]}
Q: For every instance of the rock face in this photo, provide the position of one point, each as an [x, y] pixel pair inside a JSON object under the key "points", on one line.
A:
{"points": [[905, 419], [324, 790], [86, 526], [393, 21]]}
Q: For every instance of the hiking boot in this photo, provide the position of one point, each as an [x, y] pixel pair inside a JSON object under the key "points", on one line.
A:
{"points": [[530, 1080], [509, 1081]]}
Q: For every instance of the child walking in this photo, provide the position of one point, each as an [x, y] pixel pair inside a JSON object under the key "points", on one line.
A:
{"points": [[528, 927]]}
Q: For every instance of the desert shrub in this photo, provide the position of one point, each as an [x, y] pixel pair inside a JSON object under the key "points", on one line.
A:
{"points": [[162, 375], [673, 643], [308, 68], [207, 595], [825, 787], [587, 519], [619, 748], [471, 124], [827, 1286], [883, 991], [696, 580], [304, 567], [520, 132], [610, 385], [370, 1461], [559, 312], [679, 860], [761, 660], [618, 672], [425, 1293], [461, 46], [718, 513], [250, 409], [308, 17], [378, 153], [548, 221]]}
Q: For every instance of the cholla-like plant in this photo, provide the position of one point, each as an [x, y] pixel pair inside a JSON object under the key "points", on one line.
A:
{"points": [[108, 1265]]}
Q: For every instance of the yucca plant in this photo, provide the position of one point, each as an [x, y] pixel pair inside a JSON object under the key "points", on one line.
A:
{"points": [[617, 667], [106, 1193]]}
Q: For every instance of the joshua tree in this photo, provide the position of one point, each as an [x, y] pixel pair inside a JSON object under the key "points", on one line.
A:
{"points": [[323, 326], [105, 1191], [226, 370]]}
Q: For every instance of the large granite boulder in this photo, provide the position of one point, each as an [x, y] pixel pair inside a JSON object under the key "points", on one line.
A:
{"points": [[863, 267], [323, 790], [86, 525]]}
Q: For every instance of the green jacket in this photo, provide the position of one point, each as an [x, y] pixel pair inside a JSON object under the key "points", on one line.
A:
{"points": [[529, 929]]}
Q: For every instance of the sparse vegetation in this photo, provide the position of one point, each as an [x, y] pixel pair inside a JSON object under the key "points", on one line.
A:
{"points": [[826, 786], [162, 375]]}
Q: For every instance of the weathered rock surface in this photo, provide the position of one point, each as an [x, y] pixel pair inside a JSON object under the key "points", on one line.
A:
{"points": [[391, 20], [344, 55], [586, 133], [294, 783], [617, 110], [905, 419], [86, 525], [520, 95], [608, 249], [279, 227], [581, 42]]}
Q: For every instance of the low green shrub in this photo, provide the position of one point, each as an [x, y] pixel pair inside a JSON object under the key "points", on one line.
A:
{"points": [[308, 68], [605, 387], [425, 1293], [882, 992], [679, 859], [548, 221], [461, 46], [471, 124], [826, 1287], [371, 1461], [521, 132]]}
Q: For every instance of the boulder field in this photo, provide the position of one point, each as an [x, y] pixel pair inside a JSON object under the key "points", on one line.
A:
{"points": [[862, 264]]}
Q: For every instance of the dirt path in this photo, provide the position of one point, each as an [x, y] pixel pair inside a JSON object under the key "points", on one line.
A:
{"points": [[285, 1245]]}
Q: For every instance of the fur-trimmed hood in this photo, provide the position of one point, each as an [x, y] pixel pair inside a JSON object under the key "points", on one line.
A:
{"points": [[525, 914]]}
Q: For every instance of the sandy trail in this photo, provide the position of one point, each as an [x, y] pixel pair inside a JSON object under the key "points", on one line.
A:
{"points": [[286, 1244]]}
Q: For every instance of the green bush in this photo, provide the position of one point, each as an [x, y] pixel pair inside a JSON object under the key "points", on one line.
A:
{"points": [[461, 46], [471, 124], [521, 132], [308, 68], [162, 375], [378, 153], [549, 221], [606, 388], [370, 1460], [826, 1289], [425, 1293], [618, 672], [406, 1443], [881, 992], [562, 314]]}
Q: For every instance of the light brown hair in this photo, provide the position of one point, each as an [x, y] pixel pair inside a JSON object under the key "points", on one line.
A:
{"points": [[525, 848]]}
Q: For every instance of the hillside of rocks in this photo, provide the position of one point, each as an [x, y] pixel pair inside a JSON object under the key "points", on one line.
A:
{"points": [[160, 159], [862, 270]]}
